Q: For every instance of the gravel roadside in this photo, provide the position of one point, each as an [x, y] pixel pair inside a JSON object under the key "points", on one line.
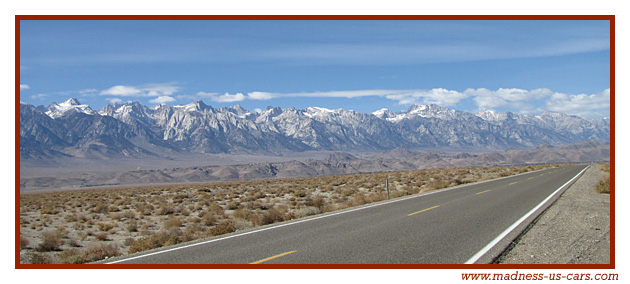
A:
{"points": [[575, 229]]}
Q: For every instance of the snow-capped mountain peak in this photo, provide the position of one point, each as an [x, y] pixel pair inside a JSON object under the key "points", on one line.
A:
{"points": [[491, 115], [383, 113], [237, 110], [431, 110], [424, 111], [418, 108], [56, 110], [71, 101], [192, 107], [318, 111], [197, 127]]}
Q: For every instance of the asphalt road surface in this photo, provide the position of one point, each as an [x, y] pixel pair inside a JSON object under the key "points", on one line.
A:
{"points": [[466, 224]]}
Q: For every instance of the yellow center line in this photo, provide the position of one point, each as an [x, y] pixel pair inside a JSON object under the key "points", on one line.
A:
{"points": [[513, 183], [482, 192], [530, 178], [273, 257], [414, 213]]}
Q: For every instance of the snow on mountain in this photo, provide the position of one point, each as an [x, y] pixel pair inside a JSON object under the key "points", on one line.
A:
{"points": [[237, 110], [490, 115], [383, 113], [199, 106], [423, 111], [57, 110], [197, 127], [317, 111], [433, 111]]}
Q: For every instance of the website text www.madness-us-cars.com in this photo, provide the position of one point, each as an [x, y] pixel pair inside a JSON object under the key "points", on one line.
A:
{"points": [[540, 276]]}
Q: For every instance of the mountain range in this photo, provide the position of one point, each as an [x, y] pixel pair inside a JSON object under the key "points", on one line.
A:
{"points": [[337, 163], [71, 129]]}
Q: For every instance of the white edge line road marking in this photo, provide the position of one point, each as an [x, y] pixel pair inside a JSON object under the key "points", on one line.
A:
{"points": [[315, 218], [518, 222]]}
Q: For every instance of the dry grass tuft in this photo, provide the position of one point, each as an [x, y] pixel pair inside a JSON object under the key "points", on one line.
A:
{"points": [[604, 184], [24, 242], [156, 240], [224, 227], [51, 241], [94, 253]]}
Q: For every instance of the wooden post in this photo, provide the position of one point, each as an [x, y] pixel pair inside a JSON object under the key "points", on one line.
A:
{"points": [[387, 187]]}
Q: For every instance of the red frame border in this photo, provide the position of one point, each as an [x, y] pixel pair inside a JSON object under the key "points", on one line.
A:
{"points": [[610, 18]]}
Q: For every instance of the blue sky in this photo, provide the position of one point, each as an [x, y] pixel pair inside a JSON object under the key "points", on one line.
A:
{"points": [[519, 66]]}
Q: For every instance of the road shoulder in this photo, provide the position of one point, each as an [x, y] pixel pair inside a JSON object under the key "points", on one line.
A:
{"points": [[575, 229]]}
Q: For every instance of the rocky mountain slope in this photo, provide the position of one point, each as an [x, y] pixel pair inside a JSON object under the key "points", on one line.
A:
{"points": [[70, 129], [340, 163]]}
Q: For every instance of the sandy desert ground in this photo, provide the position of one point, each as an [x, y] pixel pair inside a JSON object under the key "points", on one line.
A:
{"points": [[81, 226]]}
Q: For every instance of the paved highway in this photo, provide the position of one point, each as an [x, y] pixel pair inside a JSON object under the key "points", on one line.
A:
{"points": [[466, 224]]}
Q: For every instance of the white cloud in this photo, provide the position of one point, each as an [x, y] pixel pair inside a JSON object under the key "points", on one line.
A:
{"points": [[490, 102], [225, 98], [114, 100], [507, 98], [440, 96], [510, 99], [88, 91], [155, 90], [207, 95], [262, 95], [187, 97], [351, 94], [228, 98], [162, 100], [24, 87], [257, 95], [502, 99], [346, 94], [121, 90], [160, 90], [593, 105], [539, 100], [39, 96]]}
